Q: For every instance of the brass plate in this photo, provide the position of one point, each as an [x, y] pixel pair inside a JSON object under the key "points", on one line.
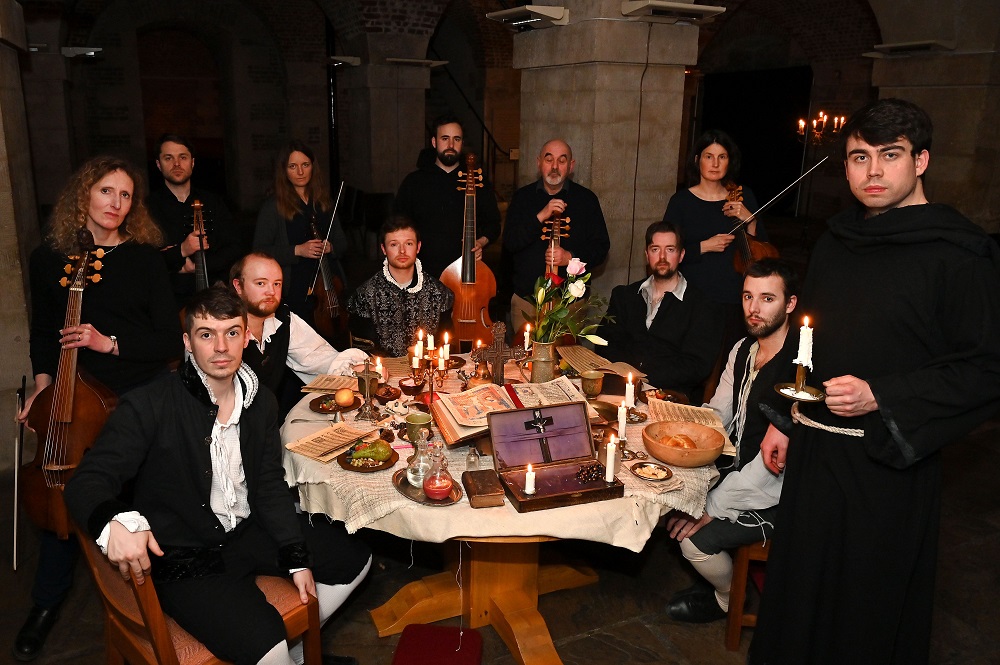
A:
{"points": [[412, 493], [787, 390]]}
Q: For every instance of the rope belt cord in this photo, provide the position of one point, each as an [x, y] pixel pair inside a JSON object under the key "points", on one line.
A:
{"points": [[798, 417]]}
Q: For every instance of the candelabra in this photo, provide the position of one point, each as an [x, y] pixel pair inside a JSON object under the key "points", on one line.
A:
{"points": [[821, 131], [432, 367]]}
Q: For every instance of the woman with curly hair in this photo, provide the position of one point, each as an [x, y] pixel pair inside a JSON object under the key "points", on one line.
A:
{"points": [[284, 225], [128, 332]]}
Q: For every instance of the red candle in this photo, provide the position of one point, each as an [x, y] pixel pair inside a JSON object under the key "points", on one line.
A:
{"points": [[437, 487]]}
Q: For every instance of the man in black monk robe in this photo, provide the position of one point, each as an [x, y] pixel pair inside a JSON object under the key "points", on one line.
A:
{"points": [[905, 298]]}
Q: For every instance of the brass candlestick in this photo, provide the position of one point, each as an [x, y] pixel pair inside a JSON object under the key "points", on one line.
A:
{"points": [[367, 385]]}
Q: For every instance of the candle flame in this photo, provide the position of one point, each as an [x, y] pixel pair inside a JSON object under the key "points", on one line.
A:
{"points": [[420, 334], [446, 338], [805, 321], [613, 439], [529, 468], [527, 328], [479, 343], [630, 377]]}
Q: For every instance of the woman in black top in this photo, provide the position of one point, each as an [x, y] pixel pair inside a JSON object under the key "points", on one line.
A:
{"points": [[284, 226], [706, 218], [128, 331]]}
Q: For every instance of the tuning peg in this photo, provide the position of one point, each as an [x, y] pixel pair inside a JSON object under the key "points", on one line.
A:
{"points": [[94, 278], [96, 265], [63, 282], [99, 253], [68, 269], [461, 174], [460, 189]]}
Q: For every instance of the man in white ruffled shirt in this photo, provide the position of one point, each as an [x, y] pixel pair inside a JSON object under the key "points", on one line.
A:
{"points": [[278, 337], [210, 509]]}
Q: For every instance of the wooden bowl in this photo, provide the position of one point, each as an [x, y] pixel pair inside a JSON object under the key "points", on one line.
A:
{"points": [[411, 387], [708, 441], [386, 394]]}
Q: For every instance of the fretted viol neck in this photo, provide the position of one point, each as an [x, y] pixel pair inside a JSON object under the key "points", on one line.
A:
{"points": [[64, 384], [473, 179], [200, 264]]}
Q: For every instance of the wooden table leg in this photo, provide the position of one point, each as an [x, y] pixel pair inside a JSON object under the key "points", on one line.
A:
{"points": [[433, 598], [501, 580]]}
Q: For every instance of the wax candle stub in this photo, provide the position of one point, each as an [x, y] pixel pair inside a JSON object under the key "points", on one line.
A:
{"points": [[630, 392], [529, 481], [527, 335]]}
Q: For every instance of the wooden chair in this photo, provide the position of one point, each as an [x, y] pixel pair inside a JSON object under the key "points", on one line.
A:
{"points": [[738, 617], [137, 631]]}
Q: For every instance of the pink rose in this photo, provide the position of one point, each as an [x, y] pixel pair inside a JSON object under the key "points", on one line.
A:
{"points": [[576, 267]]}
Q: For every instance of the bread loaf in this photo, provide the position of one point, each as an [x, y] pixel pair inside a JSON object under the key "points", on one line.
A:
{"points": [[681, 441]]}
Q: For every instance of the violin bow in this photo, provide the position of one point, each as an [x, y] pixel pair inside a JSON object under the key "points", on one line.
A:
{"points": [[18, 445], [319, 264], [753, 216]]}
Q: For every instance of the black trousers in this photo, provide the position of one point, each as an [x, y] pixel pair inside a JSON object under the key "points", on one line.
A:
{"points": [[229, 614]]}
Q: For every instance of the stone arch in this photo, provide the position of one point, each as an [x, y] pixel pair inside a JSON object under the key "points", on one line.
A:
{"points": [[107, 90]]}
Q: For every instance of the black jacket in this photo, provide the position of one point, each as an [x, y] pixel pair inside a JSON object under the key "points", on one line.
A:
{"points": [[678, 350], [160, 435]]}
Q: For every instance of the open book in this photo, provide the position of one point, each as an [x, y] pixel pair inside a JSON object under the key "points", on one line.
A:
{"points": [[583, 359], [462, 416], [329, 442], [330, 383]]}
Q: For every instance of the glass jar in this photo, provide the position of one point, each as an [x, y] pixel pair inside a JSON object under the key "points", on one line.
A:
{"points": [[472, 459], [438, 482], [420, 463]]}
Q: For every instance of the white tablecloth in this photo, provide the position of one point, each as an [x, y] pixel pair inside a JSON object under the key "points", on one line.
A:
{"points": [[370, 500]]}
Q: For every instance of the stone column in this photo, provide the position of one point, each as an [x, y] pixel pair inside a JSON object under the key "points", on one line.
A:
{"points": [[18, 222], [613, 89], [962, 95], [386, 107]]}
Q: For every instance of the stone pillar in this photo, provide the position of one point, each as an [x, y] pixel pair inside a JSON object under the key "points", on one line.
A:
{"points": [[386, 106], [613, 89], [962, 95], [18, 221], [959, 88]]}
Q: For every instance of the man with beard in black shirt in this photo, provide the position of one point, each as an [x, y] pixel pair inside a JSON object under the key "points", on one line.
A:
{"points": [[434, 198]]}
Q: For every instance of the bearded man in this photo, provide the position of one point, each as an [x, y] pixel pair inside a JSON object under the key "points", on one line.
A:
{"points": [[662, 325], [283, 350], [742, 508], [553, 194], [433, 197]]}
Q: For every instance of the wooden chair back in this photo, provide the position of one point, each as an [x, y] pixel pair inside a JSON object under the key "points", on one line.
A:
{"points": [[137, 631]]}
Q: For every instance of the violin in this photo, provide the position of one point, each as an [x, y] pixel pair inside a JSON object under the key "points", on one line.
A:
{"points": [[749, 249], [200, 265], [67, 415], [471, 281], [329, 317]]}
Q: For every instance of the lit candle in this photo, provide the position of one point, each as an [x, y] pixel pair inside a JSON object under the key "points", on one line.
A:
{"points": [[446, 348], [805, 357], [479, 343], [609, 470], [630, 392], [416, 362], [418, 350], [378, 367], [622, 412], [802, 127], [529, 481], [527, 334], [430, 342], [441, 362]]}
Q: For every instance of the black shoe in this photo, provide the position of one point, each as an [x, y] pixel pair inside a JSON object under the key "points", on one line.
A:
{"points": [[700, 587], [31, 637], [695, 608], [339, 660]]}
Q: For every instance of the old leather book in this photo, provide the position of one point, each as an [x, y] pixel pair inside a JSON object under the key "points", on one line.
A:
{"points": [[483, 488]]}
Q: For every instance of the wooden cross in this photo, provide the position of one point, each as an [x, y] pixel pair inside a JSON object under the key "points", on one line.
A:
{"points": [[498, 353]]}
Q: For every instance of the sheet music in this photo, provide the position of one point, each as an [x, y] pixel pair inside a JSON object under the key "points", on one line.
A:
{"points": [[673, 412], [330, 383], [583, 359], [397, 367], [327, 443]]}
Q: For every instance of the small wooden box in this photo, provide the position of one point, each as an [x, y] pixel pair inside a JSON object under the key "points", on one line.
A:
{"points": [[556, 441]]}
